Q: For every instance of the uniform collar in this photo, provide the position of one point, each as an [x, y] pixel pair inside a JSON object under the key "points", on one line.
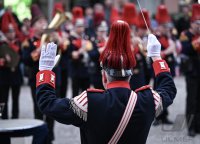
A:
{"points": [[117, 84]]}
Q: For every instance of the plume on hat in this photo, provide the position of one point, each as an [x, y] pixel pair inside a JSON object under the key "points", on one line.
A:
{"points": [[118, 54]]}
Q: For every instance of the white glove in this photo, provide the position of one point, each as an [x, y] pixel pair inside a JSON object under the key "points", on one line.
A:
{"points": [[48, 58], [153, 46]]}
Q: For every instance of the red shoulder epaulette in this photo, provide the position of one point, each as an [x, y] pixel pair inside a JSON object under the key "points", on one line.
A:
{"points": [[95, 90], [143, 88]]}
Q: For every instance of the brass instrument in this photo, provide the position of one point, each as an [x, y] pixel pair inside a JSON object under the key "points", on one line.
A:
{"points": [[58, 20]]}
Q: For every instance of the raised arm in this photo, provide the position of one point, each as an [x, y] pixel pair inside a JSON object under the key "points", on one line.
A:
{"points": [[57, 108], [165, 88]]}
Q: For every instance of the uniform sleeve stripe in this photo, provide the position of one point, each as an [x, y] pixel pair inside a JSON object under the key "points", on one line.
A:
{"points": [[156, 98], [156, 94], [85, 103], [81, 95], [83, 98]]}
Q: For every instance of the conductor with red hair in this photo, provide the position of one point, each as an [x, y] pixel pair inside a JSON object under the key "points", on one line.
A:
{"points": [[116, 114]]}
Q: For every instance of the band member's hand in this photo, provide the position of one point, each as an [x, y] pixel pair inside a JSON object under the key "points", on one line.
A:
{"points": [[196, 44], [48, 58], [153, 46], [75, 55]]}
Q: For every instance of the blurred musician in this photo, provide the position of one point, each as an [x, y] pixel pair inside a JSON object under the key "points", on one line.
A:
{"points": [[60, 37], [168, 48], [190, 40], [100, 42], [10, 73], [79, 58]]}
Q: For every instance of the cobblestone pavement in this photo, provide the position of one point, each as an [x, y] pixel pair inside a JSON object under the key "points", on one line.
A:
{"points": [[176, 134]]}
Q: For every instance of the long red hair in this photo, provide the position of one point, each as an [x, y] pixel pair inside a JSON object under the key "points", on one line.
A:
{"points": [[117, 53]]}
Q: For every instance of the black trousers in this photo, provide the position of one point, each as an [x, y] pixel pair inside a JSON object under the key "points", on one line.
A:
{"points": [[79, 85], [4, 94], [192, 103], [39, 115]]}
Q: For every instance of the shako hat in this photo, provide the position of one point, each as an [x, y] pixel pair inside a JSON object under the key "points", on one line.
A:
{"points": [[58, 7], [77, 13], [162, 15], [140, 19], [98, 18], [130, 13], [195, 13], [36, 13], [8, 24]]}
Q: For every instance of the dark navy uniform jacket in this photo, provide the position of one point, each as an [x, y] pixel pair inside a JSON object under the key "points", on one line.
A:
{"points": [[32, 66], [191, 63], [98, 113], [78, 68], [11, 76]]}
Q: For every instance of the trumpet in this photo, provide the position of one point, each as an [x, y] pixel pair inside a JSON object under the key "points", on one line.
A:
{"points": [[58, 20]]}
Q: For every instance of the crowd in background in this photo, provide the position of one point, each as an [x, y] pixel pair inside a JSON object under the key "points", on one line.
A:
{"points": [[81, 36]]}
